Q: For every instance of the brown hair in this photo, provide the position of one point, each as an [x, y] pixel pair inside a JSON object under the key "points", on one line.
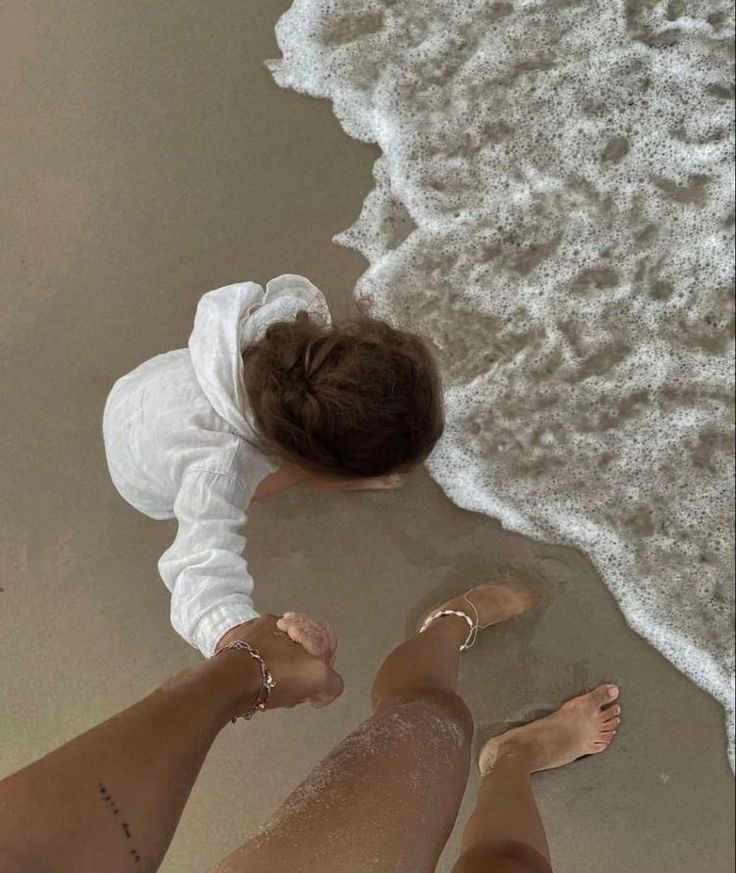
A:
{"points": [[357, 400]]}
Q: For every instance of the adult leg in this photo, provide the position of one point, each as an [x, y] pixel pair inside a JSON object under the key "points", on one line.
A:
{"points": [[387, 797], [505, 833]]}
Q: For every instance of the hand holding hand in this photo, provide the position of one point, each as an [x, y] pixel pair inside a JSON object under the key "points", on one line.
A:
{"points": [[300, 657], [318, 639]]}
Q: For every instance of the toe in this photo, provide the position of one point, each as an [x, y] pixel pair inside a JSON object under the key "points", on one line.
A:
{"points": [[604, 694], [611, 724]]}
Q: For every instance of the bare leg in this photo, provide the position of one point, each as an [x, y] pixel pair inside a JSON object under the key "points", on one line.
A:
{"points": [[387, 797], [360, 808], [415, 666], [505, 834]]}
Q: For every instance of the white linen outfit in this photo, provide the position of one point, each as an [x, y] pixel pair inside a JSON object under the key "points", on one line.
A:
{"points": [[180, 443]]}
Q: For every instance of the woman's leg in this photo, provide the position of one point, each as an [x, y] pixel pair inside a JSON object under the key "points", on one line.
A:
{"points": [[505, 834], [387, 797]]}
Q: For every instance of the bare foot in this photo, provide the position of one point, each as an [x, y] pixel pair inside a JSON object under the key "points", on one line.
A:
{"points": [[494, 602], [585, 725]]}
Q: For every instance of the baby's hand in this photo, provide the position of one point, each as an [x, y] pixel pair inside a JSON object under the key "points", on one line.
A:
{"points": [[298, 651], [317, 638]]}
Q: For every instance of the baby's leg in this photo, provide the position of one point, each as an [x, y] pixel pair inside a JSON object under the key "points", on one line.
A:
{"points": [[386, 798]]}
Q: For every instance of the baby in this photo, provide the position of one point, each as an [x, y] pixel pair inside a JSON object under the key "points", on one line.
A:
{"points": [[269, 394]]}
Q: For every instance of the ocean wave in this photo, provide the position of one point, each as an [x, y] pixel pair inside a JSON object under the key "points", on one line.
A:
{"points": [[554, 208]]}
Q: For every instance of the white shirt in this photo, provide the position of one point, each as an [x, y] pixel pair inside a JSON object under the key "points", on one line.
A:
{"points": [[179, 443]]}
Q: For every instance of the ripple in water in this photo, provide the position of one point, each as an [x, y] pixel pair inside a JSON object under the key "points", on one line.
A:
{"points": [[554, 207]]}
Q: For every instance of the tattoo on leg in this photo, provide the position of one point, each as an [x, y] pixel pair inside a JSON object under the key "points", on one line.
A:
{"points": [[125, 827]]}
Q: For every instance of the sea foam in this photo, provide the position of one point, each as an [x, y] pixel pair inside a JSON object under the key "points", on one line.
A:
{"points": [[554, 208]]}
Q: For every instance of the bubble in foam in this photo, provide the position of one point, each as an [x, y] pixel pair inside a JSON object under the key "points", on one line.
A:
{"points": [[554, 207]]}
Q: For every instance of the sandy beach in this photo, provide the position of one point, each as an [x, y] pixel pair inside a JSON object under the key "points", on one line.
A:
{"points": [[149, 158]]}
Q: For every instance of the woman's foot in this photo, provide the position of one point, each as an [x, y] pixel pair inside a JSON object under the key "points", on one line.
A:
{"points": [[585, 725], [491, 602]]}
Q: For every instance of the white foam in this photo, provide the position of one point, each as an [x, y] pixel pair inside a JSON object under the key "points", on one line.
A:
{"points": [[554, 207]]}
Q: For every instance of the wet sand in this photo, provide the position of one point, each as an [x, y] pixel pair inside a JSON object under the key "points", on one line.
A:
{"points": [[149, 159]]}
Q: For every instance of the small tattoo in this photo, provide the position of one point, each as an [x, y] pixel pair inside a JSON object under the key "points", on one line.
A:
{"points": [[124, 826]]}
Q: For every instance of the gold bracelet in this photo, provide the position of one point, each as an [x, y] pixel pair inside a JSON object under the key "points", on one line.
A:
{"points": [[267, 681]]}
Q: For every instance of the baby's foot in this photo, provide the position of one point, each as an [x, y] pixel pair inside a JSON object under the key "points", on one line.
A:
{"points": [[494, 602], [585, 725]]}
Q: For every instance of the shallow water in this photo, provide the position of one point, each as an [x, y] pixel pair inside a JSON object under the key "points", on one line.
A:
{"points": [[554, 208]]}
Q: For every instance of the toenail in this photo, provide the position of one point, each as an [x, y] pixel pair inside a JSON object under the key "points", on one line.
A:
{"points": [[612, 690]]}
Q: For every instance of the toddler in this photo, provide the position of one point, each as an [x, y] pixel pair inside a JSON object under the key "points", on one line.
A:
{"points": [[268, 394]]}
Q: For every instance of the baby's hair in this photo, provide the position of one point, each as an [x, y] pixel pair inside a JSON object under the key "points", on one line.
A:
{"points": [[360, 399]]}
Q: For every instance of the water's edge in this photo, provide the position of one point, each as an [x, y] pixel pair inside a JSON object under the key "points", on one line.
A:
{"points": [[573, 268]]}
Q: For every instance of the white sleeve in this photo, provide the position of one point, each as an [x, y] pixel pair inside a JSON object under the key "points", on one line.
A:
{"points": [[204, 568]]}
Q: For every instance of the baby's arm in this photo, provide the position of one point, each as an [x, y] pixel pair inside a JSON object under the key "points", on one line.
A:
{"points": [[208, 576], [204, 568]]}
